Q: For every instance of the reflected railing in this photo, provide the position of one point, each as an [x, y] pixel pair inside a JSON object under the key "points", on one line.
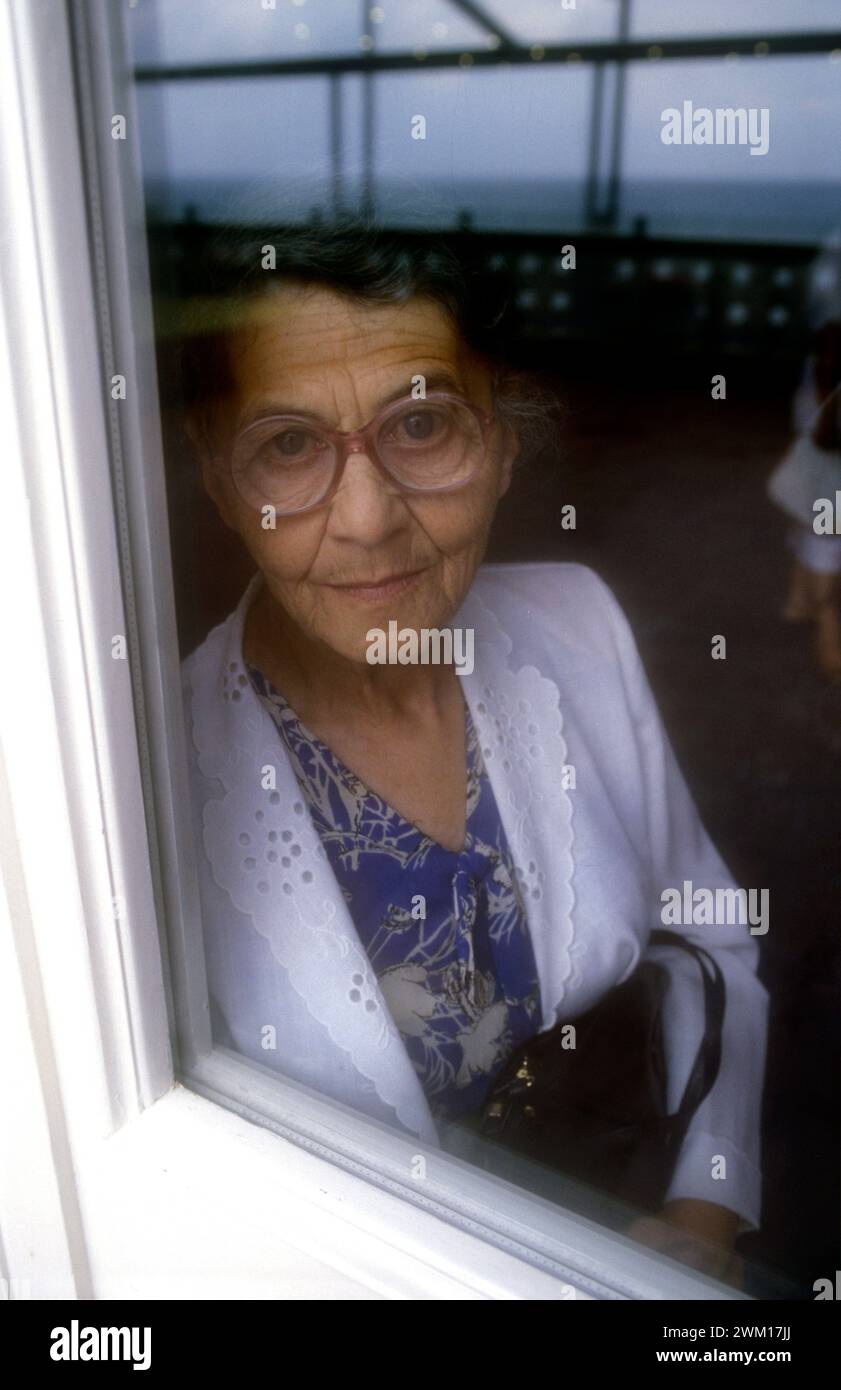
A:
{"points": [[733, 298]]}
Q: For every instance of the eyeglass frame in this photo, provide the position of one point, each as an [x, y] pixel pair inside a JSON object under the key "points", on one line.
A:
{"points": [[347, 442]]}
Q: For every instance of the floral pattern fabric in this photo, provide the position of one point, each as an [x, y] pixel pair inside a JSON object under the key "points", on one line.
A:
{"points": [[445, 931]]}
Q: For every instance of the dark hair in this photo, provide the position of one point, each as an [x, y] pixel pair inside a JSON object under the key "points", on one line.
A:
{"points": [[368, 263]]}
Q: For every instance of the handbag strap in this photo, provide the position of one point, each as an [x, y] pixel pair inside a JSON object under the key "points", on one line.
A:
{"points": [[827, 418], [708, 1058]]}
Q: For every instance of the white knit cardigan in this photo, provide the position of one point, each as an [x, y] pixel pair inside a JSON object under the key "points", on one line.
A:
{"points": [[557, 681]]}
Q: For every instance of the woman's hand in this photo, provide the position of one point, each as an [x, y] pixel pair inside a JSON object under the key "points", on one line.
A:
{"points": [[699, 1234]]}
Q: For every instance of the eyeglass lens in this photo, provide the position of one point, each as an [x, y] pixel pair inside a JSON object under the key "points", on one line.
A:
{"points": [[290, 465]]}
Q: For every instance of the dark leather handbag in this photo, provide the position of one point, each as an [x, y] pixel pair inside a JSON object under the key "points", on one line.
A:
{"points": [[599, 1112]]}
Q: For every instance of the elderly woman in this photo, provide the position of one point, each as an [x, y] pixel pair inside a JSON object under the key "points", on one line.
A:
{"points": [[410, 868]]}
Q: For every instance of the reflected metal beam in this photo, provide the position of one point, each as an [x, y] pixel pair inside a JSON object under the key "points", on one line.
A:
{"points": [[368, 121], [613, 51], [493, 27], [605, 214], [336, 141], [591, 197], [611, 211]]}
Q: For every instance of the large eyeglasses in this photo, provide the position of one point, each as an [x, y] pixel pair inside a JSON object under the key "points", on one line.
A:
{"points": [[432, 445]]}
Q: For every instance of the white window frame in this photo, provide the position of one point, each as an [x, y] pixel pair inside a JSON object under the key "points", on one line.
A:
{"points": [[119, 1180]]}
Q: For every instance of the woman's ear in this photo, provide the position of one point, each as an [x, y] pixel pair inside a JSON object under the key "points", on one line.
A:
{"points": [[212, 482], [509, 443], [201, 443]]}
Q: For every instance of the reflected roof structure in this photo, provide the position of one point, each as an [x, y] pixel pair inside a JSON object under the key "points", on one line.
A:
{"points": [[295, 38]]}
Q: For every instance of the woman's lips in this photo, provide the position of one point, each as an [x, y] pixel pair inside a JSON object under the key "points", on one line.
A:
{"points": [[386, 588]]}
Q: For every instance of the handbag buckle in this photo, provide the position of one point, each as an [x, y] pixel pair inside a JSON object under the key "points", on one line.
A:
{"points": [[525, 1073]]}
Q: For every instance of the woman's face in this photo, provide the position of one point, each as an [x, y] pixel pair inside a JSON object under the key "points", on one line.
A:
{"points": [[314, 351]]}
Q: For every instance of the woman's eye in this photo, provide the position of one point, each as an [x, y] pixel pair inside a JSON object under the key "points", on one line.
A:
{"points": [[294, 444], [418, 427]]}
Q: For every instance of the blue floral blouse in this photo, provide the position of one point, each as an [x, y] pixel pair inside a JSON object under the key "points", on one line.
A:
{"points": [[445, 931]]}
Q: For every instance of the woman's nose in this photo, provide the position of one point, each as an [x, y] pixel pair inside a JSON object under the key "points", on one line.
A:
{"points": [[367, 505]]}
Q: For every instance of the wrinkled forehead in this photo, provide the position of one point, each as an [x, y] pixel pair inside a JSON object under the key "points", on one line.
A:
{"points": [[307, 340]]}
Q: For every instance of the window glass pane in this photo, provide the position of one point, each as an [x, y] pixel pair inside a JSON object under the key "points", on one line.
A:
{"points": [[664, 19], [789, 192], [475, 125], [427, 26], [230, 30], [218, 150], [568, 356], [534, 21], [225, 31]]}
